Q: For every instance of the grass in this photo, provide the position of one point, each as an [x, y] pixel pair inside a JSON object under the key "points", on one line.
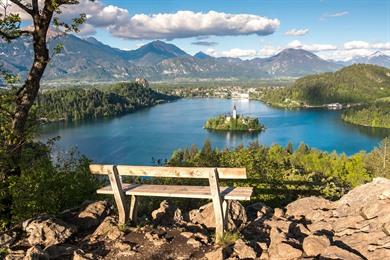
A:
{"points": [[228, 238]]}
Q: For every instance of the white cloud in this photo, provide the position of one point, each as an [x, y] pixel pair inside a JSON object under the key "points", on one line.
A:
{"points": [[269, 50], [233, 53], [336, 14], [351, 45], [356, 45], [86, 29], [344, 55], [239, 53], [381, 45], [296, 32], [184, 24], [311, 47]]}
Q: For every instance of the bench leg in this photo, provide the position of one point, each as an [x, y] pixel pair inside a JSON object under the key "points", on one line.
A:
{"points": [[217, 203], [225, 210], [133, 208], [119, 196]]}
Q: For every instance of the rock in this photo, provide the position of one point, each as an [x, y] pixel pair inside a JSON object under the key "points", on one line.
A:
{"points": [[202, 237], [187, 234], [379, 254], [371, 211], [320, 226], [47, 231], [194, 243], [92, 214], [60, 251], [36, 253], [334, 252], [80, 255], [122, 245], [166, 215], [178, 216], [278, 213], [315, 245], [258, 210], [279, 248], [386, 228], [284, 251], [7, 239], [236, 215], [349, 222], [298, 230], [385, 195], [312, 208], [364, 196], [155, 239], [216, 254], [108, 229], [15, 255], [243, 251]]}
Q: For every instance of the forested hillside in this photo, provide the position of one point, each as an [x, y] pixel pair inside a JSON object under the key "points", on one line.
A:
{"points": [[87, 103], [374, 115], [359, 83]]}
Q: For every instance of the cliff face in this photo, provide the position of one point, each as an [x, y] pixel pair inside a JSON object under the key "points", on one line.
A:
{"points": [[355, 227]]}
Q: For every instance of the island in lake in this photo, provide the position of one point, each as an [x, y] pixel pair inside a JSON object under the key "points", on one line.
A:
{"points": [[234, 122]]}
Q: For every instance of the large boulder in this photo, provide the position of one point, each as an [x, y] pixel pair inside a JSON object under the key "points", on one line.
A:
{"points": [[371, 197], [311, 208], [236, 215], [92, 214], [107, 230], [47, 231]]}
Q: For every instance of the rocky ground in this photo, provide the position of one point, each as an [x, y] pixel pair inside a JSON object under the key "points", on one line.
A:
{"points": [[355, 227]]}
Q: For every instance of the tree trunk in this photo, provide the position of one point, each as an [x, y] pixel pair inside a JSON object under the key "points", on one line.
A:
{"points": [[25, 99]]}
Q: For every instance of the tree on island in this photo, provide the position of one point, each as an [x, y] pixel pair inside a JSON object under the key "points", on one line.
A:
{"points": [[16, 104]]}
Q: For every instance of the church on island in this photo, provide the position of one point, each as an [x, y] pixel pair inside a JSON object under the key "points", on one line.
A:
{"points": [[234, 122], [234, 114]]}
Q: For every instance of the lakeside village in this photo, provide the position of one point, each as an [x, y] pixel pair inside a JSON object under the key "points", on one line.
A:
{"points": [[234, 122]]}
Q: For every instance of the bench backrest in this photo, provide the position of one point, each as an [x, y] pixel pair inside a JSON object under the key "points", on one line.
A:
{"points": [[175, 172]]}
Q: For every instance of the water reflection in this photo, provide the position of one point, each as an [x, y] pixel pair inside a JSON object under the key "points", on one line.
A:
{"points": [[233, 139]]}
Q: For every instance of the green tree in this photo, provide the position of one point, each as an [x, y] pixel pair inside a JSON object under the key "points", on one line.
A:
{"points": [[378, 161], [18, 108]]}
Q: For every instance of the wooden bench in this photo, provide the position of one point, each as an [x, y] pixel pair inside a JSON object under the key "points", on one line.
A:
{"points": [[219, 195]]}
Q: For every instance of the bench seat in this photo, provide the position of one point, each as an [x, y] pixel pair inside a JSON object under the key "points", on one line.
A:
{"points": [[180, 191]]}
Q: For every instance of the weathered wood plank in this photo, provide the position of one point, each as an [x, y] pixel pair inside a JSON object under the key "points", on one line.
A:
{"points": [[181, 191], [173, 172], [217, 203], [119, 195], [133, 208], [101, 169]]}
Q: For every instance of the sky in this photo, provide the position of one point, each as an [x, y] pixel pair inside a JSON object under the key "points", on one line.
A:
{"points": [[333, 29]]}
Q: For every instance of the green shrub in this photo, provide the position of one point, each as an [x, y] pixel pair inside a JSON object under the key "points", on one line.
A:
{"points": [[50, 185]]}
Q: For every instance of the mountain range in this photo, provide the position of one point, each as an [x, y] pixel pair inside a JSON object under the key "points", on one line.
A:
{"points": [[88, 60]]}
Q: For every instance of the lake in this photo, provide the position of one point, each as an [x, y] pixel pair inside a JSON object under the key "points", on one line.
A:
{"points": [[156, 132]]}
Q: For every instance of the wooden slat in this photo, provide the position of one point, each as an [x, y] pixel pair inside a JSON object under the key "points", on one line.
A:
{"points": [[181, 191], [101, 169], [175, 172]]}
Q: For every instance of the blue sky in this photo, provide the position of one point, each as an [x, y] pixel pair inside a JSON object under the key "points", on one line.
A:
{"points": [[333, 29]]}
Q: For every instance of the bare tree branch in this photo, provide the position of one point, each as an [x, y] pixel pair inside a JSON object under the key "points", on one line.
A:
{"points": [[22, 6], [35, 6]]}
